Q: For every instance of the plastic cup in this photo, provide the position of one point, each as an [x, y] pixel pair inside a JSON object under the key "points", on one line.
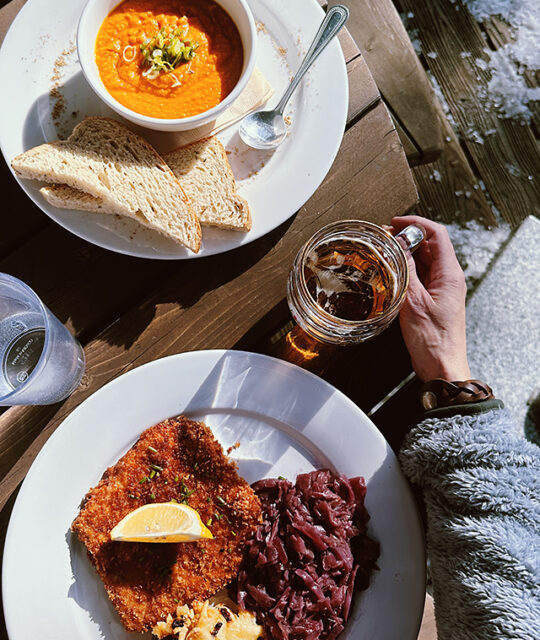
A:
{"points": [[40, 361]]}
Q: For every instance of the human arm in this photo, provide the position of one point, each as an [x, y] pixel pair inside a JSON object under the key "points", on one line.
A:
{"points": [[480, 479], [480, 482]]}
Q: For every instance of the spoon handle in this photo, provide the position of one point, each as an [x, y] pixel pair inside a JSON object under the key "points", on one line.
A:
{"points": [[335, 18]]}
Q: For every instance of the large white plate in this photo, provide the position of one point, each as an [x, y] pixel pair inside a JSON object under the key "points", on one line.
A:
{"points": [[275, 184], [287, 421]]}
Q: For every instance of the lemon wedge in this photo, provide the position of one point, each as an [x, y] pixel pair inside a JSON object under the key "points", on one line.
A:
{"points": [[161, 522]]}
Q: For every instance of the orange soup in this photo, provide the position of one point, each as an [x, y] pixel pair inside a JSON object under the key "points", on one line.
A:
{"points": [[169, 58]]}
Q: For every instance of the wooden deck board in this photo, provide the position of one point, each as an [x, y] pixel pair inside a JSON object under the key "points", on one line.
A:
{"points": [[447, 32], [449, 188], [377, 29], [85, 286]]}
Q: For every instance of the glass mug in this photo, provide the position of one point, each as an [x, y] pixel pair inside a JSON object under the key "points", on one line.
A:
{"points": [[349, 280]]}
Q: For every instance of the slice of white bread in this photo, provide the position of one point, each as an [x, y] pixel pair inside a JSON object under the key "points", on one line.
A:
{"points": [[106, 160], [206, 176]]}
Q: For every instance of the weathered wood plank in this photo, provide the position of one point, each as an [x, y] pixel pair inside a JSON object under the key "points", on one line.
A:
{"points": [[377, 29], [412, 152], [85, 286], [399, 413], [362, 88], [450, 189], [348, 45], [170, 320], [448, 32]]}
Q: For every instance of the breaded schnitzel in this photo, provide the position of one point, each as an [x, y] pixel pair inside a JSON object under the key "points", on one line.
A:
{"points": [[177, 459]]}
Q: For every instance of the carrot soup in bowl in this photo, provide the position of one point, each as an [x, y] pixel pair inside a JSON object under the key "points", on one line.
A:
{"points": [[167, 64]]}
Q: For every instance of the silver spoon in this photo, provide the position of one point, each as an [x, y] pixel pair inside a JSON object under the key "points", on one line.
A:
{"points": [[267, 129]]}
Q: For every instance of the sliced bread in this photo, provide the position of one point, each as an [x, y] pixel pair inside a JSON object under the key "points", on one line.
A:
{"points": [[121, 171], [206, 176]]}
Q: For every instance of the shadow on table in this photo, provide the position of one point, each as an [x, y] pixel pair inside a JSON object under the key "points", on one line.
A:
{"points": [[185, 282]]}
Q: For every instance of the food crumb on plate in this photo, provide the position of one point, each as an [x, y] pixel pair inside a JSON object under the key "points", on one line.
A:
{"points": [[232, 448]]}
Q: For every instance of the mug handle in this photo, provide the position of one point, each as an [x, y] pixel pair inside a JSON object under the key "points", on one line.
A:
{"points": [[412, 237]]}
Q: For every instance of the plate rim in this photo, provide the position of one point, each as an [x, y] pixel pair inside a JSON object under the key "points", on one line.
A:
{"points": [[213, 355], [297, 200]]}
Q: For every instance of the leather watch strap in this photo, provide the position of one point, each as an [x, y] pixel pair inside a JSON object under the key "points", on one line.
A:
{"points": [[442, 393]]}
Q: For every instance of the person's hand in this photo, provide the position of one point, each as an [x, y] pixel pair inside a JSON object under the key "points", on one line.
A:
{"points": [[432, 318]]}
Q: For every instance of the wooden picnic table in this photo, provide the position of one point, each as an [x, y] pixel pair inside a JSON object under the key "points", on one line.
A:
{"points": [[127, 311]]}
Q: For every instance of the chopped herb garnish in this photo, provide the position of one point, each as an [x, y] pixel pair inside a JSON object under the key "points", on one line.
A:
{"points": [[174, 500], [221, 501], [153, 496], [281, 478], [186, 493], [234, 533], [152, 449], [208, 499], [218, 516], [176, 478], [196, 466], [209, 522], [166, 51], [156, 467], [132, 496], [143, 480], [152, 474], [176, 599]]}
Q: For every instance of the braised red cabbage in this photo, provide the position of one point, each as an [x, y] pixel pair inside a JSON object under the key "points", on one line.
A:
{"points": [[308, 556]]}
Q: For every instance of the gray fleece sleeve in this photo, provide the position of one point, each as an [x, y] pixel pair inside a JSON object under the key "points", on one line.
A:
{"points": [[481, 485]]}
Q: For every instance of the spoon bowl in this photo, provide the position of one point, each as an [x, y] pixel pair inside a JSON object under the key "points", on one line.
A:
{"points": [[263, 129]]}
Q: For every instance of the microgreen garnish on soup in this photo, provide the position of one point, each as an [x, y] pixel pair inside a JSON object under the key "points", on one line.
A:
{"points": [[166, 51]]}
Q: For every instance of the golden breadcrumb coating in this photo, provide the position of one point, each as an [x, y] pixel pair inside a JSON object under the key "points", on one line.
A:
{"points": [[180, 460]]}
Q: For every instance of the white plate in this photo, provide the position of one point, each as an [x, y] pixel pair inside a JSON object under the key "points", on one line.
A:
{"points": [[275, 184], [287, 421]]}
